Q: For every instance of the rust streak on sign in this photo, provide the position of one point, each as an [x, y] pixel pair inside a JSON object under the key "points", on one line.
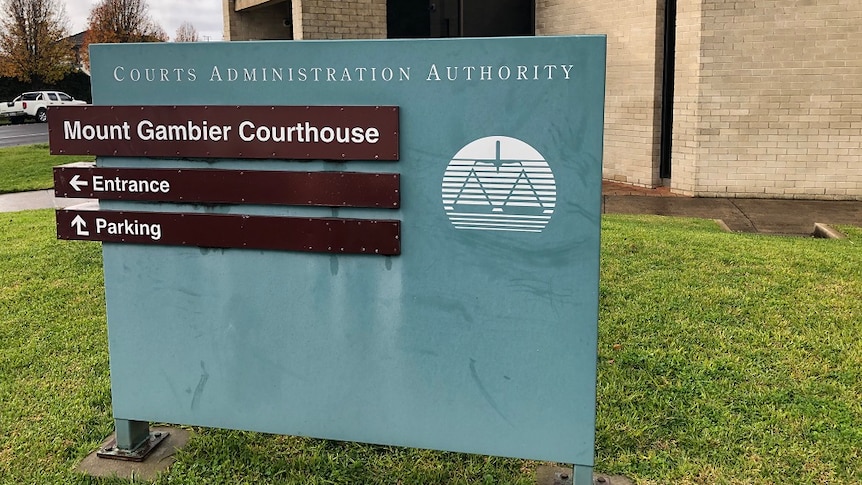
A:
{"points": [[325, 235], [342, 133], [328, 189]]}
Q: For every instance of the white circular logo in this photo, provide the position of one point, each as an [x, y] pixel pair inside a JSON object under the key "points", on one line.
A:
{"points": [[499, 183]]}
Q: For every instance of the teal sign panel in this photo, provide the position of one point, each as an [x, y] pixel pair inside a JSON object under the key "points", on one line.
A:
{"points": [[479, 337]]}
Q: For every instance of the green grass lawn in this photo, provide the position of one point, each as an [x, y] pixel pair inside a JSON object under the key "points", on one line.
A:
{"points": [[29, 167], [723, 359], [728, 358]]}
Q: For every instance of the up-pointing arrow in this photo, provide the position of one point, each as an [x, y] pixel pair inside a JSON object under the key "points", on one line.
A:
{"points": [[77, 183], [80, 226]]}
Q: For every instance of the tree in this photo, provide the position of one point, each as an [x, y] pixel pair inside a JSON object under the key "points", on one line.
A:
{"points": [[121, 21], [33, 41], [186, 32]]}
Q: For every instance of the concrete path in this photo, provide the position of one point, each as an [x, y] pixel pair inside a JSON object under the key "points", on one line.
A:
{"points": [[37, 199], [766, 216]]}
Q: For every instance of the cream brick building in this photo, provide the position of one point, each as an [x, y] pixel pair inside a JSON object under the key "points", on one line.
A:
{"points": [[764, 96]]}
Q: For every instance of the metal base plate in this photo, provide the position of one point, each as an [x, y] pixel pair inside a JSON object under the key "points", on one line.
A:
{"points": [[549, 474], [111, 452]]}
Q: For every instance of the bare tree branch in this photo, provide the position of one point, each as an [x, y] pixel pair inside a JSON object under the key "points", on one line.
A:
{"points": [[186, 32]]}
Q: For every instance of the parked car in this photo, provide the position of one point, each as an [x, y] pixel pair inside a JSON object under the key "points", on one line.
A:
{"points": [[34, 105]]}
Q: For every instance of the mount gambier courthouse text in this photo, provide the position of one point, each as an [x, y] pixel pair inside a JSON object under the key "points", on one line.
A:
{"points": [[146, 130]]}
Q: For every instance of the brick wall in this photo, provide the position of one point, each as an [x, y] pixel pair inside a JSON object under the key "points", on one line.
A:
{"points": [[688, 137], [345, 19], [264, 22], [768, 99], [633, 94], [768, 93]]}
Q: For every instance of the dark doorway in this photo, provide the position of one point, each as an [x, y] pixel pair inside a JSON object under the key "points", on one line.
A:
{"points": [[408, 19], [668, 70], [445, 17], [460, 18], [494, 18]]}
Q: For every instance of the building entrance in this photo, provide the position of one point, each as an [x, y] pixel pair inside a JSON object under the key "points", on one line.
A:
{"points": [[460, 18]]}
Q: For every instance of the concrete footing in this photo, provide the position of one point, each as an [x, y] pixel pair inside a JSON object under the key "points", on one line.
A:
{"points": [[558, 475], [156, 462], [827, 231]]}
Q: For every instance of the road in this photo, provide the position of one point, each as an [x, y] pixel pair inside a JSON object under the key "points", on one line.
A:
{"points": [[24, 134]]}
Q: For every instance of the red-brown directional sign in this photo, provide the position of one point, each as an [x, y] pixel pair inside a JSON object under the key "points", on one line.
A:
{"points": [[341, 236], [331, 189], [263, 132]]}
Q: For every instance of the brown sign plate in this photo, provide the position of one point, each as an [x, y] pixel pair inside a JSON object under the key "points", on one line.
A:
{"points": [[325, 235], [330, 189], [341, 133]]}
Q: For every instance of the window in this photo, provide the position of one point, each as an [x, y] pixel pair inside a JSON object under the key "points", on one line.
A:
{"points": [[460, 18]]}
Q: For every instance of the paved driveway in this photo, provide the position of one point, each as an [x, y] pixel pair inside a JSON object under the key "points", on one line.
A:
{"points": [[24, 134]]}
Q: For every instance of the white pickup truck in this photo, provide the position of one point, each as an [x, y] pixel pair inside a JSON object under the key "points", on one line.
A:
{"points": [[35, 105]]}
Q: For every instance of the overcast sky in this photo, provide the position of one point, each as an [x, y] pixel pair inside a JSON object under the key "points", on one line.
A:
{"points": [[205, 15]]}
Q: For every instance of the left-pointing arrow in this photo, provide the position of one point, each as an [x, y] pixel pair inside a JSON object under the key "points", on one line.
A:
{"points": [[80, 226], [77, 183]]}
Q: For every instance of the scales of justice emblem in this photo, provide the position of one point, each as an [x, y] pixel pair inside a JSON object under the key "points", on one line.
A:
{"points": [[499, 183]]}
